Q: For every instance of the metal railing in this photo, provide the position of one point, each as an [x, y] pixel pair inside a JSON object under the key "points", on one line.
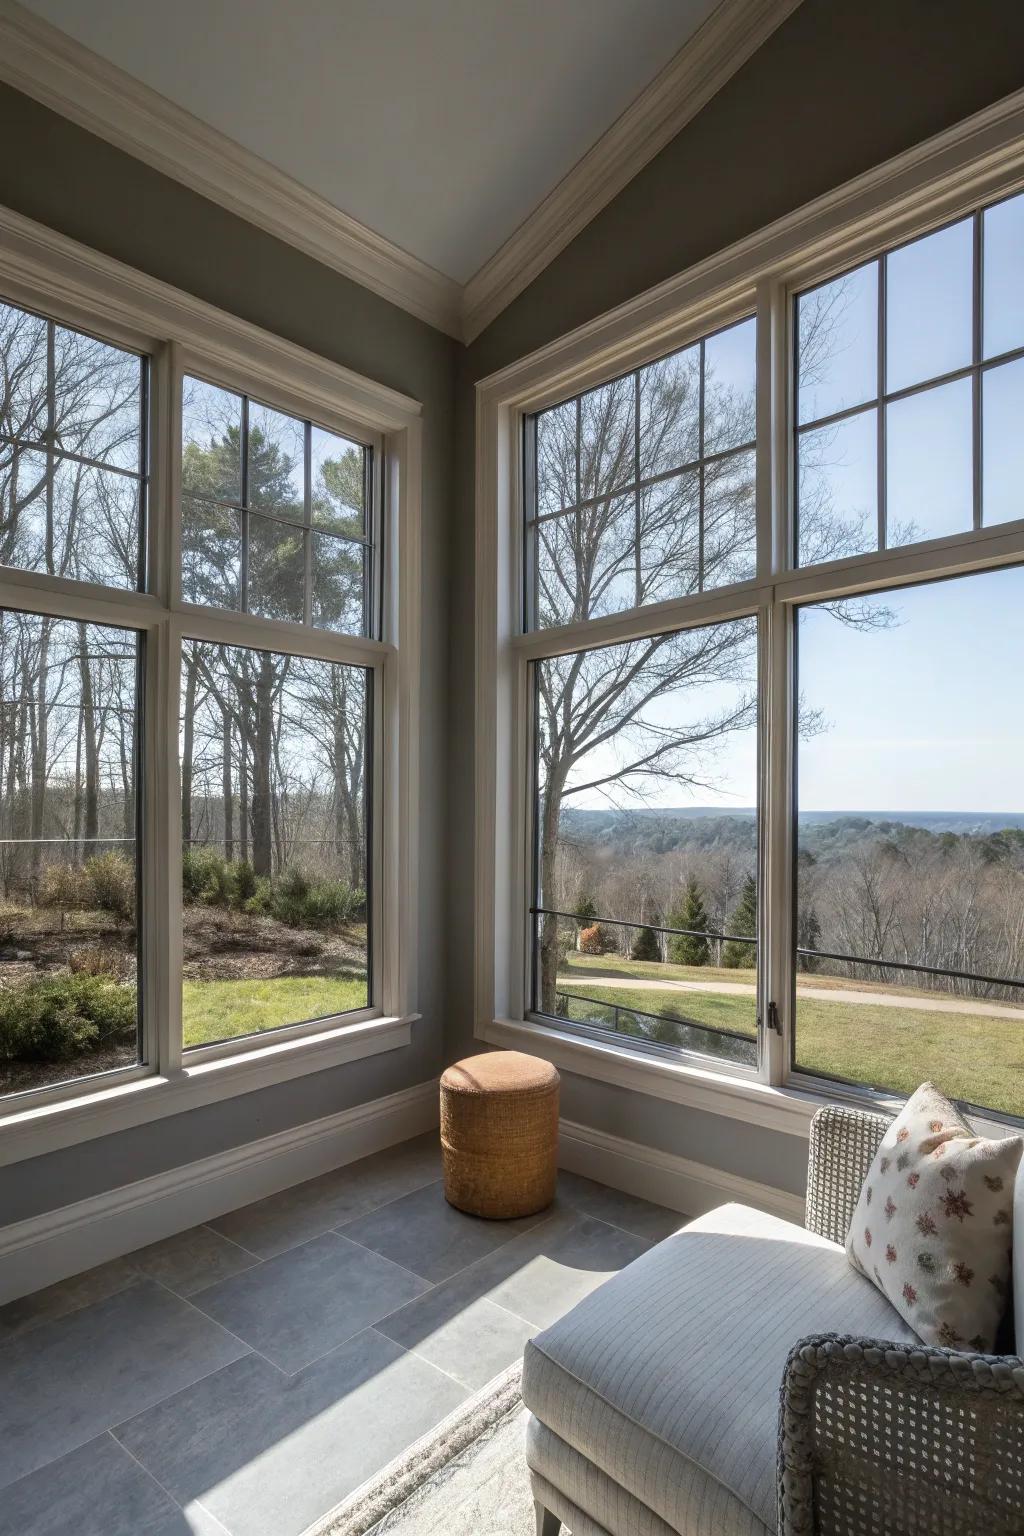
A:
{"points": [[562, 999], [618, 922]]}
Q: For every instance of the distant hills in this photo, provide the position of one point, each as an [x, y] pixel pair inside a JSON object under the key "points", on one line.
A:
{"points": [[660, 829]]}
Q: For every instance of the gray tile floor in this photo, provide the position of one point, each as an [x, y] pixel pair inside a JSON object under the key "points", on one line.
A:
{"points": [[245, 1376]]}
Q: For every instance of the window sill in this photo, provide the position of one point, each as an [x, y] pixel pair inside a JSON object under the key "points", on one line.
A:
{"points": [[719, 1093], [32, 1132]]}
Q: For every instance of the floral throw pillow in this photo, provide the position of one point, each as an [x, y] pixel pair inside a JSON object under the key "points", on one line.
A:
{"points": [[934, 1223]]}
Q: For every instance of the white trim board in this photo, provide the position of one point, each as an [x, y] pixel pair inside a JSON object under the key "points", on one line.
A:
{"points": [[664, 1177], [44, 1249], [45, 63]]}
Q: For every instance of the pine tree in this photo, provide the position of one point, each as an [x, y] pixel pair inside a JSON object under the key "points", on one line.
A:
{"points": [[689, 948], [743, 921], [645, 946]]}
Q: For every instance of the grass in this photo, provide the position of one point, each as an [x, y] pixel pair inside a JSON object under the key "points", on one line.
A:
{"points": [[223, 1010], [970, 1056]]}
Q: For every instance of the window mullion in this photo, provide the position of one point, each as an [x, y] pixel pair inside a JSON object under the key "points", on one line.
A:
{"points": [[778, 725]]}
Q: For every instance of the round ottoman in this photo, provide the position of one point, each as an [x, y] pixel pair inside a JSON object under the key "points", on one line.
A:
{"points": [[499, 1134]]}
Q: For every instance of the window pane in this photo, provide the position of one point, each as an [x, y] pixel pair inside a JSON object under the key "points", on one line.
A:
{"points": [[929, 306], [730, 530], [837, 489], [911, 817], [339, 484], [729, 364], [97, 400], [23, 404], [929, 456], [837, 344], [277, 569], [211, 554], [587, 562], [69, 519], [607, 438], [1003, 458], [670, 413], [339, 584], [68, 952], [646, 815], [277, 458], [1003, 302], [556, 458], [670, 537], [211, 441], [275, 760]]}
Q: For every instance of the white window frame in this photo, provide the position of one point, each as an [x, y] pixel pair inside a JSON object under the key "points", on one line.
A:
{"points": [[47, 273], [977, 162]]}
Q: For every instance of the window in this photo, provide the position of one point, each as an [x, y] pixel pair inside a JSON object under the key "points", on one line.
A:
{"points": [[910, 847], [276, 514], [644, 920], [910, 382], [643, 489], [275, 759], [69, 923], [72, 453], [207, 724], [769, 834]]}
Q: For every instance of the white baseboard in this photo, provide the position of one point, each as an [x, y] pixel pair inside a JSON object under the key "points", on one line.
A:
{"points": [[47, 1248], [663, 1177]]}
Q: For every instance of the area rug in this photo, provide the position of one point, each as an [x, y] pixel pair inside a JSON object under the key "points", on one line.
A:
{"points": [[466, 1477]]}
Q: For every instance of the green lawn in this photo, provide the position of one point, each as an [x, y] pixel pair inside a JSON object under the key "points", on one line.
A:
{"points": [[970, 1056], [221, 1010]]}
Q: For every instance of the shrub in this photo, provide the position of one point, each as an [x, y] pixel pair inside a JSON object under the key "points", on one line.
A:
{"points": [[66, 887], [112, 879], [645, 946], [261, 900], [206, 876], [103, 960], [593, 941], [244, 881], [302, 903], [59, 1017]]}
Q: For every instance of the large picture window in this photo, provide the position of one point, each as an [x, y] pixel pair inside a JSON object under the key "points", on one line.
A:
{"points": [[771, 830], [910, 840], [645, 914], [275, 764]]}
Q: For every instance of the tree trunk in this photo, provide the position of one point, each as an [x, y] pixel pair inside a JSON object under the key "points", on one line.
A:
{"points": [[92, 754], [263, 748], [229, 809], [187, 750]]}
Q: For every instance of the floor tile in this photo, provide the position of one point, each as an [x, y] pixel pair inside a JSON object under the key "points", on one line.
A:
{"points": [[192, 1260], [269, 1227], [424, 1233], [473, 1344], [268, 1454], [97, 1490], [65, 1382], [618, 1209], [537, 1276], [295, 1308], [19, 1317]]}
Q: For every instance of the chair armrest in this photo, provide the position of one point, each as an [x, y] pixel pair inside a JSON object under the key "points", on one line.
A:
{"points": [[842, 1148], [879, 1437]]}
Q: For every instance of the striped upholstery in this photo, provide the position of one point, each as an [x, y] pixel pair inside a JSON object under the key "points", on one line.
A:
{"points": [[667, 1377], [571, 1486]]}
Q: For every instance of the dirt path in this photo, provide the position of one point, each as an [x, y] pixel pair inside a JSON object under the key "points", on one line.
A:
{"points": [[823, 994]]}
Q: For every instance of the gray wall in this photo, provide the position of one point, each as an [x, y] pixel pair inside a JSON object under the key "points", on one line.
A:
{"points": [[840, 87], [56, 173]]}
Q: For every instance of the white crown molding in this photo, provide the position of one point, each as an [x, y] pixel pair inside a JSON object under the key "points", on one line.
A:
{"points": [[731, 34], [52, 67], [45, 63]]}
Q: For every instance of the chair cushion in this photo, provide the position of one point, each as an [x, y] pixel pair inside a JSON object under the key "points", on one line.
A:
{"points": [[669, 1374]]}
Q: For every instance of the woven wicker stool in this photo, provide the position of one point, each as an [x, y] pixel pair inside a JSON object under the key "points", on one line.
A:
{"points": [[499, 1134]]}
